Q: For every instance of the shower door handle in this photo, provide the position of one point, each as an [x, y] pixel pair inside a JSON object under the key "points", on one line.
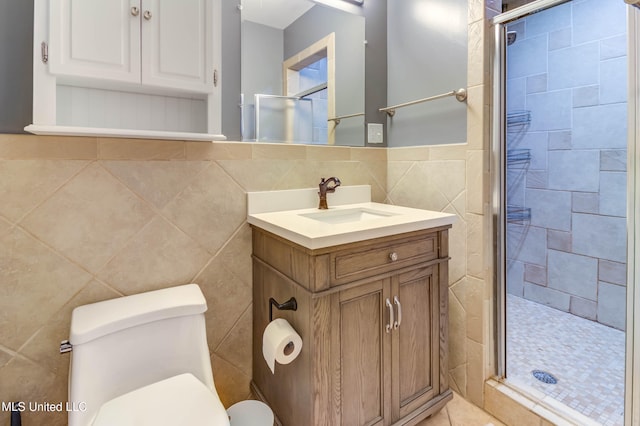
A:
{"points": [[391, 322]]}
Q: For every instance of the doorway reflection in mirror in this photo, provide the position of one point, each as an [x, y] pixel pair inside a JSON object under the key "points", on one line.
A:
{"points": [[299, 71]]}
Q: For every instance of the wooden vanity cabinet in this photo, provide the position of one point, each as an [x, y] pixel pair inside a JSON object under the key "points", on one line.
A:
{"points": [[373, 319]]}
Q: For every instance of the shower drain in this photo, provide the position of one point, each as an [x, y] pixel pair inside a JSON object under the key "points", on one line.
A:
{"points": [[544, 377]]}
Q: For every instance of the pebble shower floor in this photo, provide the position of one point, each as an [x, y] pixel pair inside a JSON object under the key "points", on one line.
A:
{"points": [[586, 357]]}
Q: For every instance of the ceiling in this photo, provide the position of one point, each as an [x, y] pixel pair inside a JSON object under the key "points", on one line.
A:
{"points": [[274, 13]]}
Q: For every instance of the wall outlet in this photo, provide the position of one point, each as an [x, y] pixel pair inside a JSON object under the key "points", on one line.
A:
{"points": [[374, 133]]}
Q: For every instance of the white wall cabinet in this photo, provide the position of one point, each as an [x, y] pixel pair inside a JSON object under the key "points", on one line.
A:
{"points": [[161, 43], [175, 44], [107, 54], [95, 39]]}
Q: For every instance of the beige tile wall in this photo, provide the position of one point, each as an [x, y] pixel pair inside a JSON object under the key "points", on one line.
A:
{"points": [[88, 219]]}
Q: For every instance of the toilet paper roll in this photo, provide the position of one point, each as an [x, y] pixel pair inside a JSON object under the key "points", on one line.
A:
{"points": [[280, 343]]}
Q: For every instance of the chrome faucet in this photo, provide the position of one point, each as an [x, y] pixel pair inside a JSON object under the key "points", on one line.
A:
{"points": [[324, 188]]}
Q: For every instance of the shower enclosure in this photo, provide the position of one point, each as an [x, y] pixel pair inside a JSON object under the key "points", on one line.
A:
{"points": [[564, 159], [301, 117]]}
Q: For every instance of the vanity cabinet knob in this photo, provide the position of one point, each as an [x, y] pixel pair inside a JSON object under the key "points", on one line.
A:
{"points": [[393, 256], [135, 11], [147, 15]]}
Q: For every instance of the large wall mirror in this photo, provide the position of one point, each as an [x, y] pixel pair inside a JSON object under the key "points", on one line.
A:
{"points": [[303, 73], [414, 49]]}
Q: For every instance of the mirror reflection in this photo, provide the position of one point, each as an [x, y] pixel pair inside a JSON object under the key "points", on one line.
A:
{"points": [[302, 73]]}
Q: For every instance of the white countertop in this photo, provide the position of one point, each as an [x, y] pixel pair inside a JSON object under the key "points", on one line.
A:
{"points": [[314, 233]]}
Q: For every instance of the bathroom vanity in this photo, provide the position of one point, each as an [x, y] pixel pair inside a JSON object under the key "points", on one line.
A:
{"points": [[372, 313]]}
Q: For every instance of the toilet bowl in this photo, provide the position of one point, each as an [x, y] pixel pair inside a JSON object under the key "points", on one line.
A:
{"points": [[179, 400], [143, 360]]}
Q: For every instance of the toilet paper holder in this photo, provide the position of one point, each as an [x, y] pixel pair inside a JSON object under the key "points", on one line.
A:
{"points": [[289, 305]]}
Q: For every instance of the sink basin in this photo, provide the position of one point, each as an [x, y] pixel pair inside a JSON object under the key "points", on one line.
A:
{"points": [[358, 214], [293, 214]]}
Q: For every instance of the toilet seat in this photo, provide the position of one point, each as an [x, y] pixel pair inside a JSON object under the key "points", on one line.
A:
{"points": [[179, 400]]}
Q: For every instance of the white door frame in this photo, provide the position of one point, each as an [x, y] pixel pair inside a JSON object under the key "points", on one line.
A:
{"points": [[632, 373]]}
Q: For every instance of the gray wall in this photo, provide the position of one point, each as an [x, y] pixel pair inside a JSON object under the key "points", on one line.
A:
{"points": [[349, 31], [262, 53], [230, 76], [375, 87], [427, 55], [16, 67]]}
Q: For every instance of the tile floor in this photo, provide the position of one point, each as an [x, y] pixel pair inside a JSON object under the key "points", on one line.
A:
{"points": [[460, 412], [586, 357]]}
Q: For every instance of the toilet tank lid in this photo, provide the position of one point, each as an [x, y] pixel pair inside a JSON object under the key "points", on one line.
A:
{"points": [[88, 322]]}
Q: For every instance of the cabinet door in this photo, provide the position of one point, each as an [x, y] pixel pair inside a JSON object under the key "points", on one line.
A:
{"points": [[177, 44], [415, 347], [363, 355], [95, 38]]}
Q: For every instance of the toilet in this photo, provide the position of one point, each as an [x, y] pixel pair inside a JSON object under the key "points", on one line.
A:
{"points": [[144, 360]]}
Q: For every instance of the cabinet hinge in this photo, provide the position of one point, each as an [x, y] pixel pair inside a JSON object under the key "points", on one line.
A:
{"points": [[215, 78], [65, 347], [44, 51]]}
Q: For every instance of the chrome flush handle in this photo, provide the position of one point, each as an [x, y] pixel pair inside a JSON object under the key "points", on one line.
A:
{"points": [[389, 326]]}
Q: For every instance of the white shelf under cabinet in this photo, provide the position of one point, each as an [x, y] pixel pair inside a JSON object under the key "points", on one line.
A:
{"points": [[121, 133]]}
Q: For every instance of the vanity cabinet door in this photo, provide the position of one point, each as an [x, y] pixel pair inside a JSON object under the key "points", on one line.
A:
{"points": [[176, 44], [364, 354], [95, 38], [416, 340], [389, 366]]}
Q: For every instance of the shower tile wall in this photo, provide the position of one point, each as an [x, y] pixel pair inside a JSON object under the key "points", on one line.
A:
{"points": [[567, 72]]}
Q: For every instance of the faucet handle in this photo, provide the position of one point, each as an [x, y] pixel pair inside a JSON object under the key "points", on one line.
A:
{"points": [[336, 183]]}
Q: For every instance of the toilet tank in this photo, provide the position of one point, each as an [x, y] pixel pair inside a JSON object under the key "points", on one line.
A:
{"points": [[122, 344]]}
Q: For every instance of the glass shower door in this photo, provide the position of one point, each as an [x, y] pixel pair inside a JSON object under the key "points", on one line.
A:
{"points": [[565, 157]]}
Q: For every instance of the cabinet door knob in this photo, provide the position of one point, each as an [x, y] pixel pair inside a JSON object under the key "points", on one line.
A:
{"points": [[393, 256], [135, 11], [147, 15], [389, 326], [397, 302]]}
